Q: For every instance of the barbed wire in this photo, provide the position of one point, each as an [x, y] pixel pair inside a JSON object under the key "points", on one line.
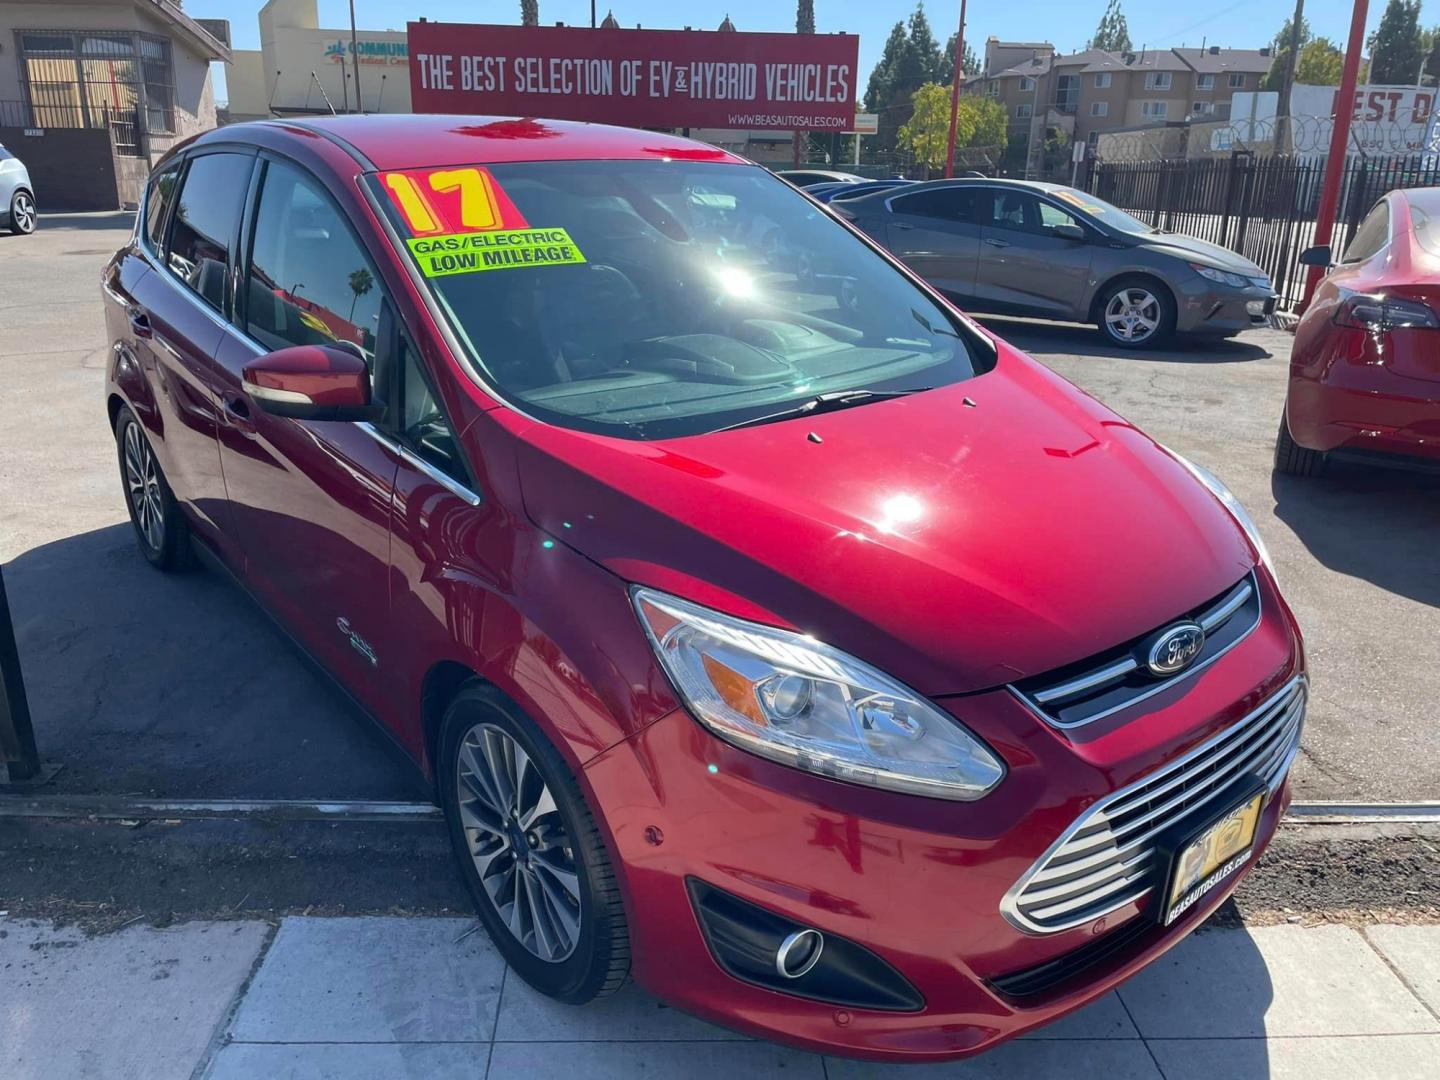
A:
{"points": [[1306, 135]]}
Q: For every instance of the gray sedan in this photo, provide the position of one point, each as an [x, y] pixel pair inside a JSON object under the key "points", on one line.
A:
{"points": [[17, 197], [1021, 248]]}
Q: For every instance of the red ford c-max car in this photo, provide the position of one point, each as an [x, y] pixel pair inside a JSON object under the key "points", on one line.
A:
{"points": [[813, 656], [1365, 368]]}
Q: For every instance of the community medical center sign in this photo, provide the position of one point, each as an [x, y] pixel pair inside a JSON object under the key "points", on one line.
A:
{"points": [[641, 78]]}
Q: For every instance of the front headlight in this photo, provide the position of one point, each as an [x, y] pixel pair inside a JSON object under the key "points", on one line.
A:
{"points": [[1221, 277], [1230, 502], [797, 701]]}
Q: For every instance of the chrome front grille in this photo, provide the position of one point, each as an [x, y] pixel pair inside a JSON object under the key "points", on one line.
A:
{"points": [[1116, 679], [1106, 859]]}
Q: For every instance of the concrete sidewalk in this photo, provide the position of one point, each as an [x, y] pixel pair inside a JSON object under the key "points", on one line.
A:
{"points": [[379, 998]]}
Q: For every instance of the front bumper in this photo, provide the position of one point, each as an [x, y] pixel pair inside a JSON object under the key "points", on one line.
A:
{"points": [[919, 882], [1204, 307]]}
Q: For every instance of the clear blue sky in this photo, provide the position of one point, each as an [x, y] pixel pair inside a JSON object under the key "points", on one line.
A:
{"points": [[1067, 23]]}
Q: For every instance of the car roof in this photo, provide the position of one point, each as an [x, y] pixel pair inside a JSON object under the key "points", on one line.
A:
{"points": [[405, 140]]}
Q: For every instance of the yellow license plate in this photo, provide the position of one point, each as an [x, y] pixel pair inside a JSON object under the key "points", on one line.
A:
{"points": [[1213, 856]]}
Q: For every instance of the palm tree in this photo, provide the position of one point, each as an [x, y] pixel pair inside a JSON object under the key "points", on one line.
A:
{"points": [[529, 12], [361, 282]]}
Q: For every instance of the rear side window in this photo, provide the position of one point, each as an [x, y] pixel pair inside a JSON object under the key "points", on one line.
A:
{"points": [[157, 204], [212, 196], [1371, 234], [310, 283], [945, 204]]}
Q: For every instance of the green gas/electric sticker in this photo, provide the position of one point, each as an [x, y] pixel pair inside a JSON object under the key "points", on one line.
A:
{"points": [[498, 249]]}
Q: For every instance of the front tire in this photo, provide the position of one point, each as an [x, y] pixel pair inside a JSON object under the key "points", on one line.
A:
{"points": [[529, 850], [1136, 313], [160, 529], [22, 213], [1291, 458]]}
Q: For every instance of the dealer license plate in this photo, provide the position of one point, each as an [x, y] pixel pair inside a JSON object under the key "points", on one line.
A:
{"points": [[1212, 856]]}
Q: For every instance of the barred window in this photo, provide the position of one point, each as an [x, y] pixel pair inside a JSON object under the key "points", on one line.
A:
{"points": [[116, 79]]}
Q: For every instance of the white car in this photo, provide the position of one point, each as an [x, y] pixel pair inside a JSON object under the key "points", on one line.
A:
{"points": [[17, 197]]}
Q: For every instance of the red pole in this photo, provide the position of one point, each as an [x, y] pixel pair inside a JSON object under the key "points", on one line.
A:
{"points": [[955, 94], [1339, 138]]}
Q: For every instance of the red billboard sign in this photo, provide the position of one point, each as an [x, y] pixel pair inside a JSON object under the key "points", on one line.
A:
{"points": [[641, 78]]}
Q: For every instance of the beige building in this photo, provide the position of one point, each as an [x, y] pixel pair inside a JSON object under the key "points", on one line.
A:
{"points": [[303, 68], [1085, 94], [93, 92]]}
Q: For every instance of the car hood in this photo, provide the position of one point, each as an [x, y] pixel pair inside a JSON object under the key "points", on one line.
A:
{"points": [[1191, 248], [955, 546]]}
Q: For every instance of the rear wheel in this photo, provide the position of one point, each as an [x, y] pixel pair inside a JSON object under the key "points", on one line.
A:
{"points": [[22, 212], [1135, 312], [1291, 458], [530, 851], [160, 530]]}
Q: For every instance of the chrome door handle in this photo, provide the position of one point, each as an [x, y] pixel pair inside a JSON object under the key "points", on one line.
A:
{"points": [[902, 225], [997, 243]]}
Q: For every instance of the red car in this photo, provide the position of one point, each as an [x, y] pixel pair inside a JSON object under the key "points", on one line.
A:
{"points": [[832, 668], [1365, 367]]}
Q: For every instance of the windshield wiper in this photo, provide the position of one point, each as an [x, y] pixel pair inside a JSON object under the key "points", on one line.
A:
{"points": [[831, 402]]}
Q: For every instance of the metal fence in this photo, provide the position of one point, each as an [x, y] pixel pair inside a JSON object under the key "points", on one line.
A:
{"points": [[1262, 207], [118, 80]]}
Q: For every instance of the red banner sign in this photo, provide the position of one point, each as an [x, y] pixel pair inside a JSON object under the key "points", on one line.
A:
{"points": [[640, 78]]}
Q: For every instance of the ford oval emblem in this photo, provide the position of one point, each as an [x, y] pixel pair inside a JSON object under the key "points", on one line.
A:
{"points": [[1175, 648]]}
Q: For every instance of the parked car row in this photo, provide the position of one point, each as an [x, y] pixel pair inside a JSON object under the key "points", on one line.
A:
{"points": [[1365, 366], [799, 659]]}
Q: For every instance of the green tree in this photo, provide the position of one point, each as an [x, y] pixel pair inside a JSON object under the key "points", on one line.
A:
{"points": [[911, 59], [529, 12], [1395, 52], [968, 64], [986, 121], [1113, 33], [1280, 53], [926, 133], [1321, 63], [805, 16], [1430, 41], [979, 121]]}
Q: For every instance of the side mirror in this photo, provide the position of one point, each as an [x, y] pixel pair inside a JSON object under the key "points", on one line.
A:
{"points": [[1316, 256], [1068, 232], [311, 382]]}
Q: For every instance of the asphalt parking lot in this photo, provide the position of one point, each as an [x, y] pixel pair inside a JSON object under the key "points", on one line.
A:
{"points": [[179, 687]]}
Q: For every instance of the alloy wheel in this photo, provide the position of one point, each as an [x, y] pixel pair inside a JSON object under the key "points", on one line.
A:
{"points": [[22, 212], [519, 842], [1133, 314], [142, 483]]}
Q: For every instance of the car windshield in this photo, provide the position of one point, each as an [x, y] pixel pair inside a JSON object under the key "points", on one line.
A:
{"points": [[5, 155], [655, 299], [1101, 211]]}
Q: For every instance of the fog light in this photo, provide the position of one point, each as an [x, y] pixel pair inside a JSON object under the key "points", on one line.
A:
{"points": [[1255, 307]]}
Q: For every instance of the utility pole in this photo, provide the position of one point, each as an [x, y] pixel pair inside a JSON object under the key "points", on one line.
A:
{"points": [[955, 94], [1292, 61], [1339, 138], [355, 56]]}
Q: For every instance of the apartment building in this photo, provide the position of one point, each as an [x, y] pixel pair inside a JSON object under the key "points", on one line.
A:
{"points": [[1087, 93]]}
